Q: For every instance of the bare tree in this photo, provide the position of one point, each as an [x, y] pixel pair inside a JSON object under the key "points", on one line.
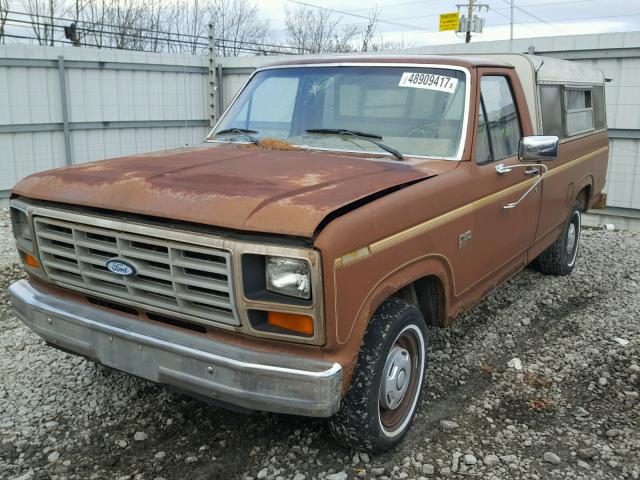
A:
{"points": [[196, 25], [343, 39], [188, 18], [150, 25], [238, 23], [4, 12], [134, 24], [43, 14], [369, 31], [124, 17], [73, 12], [312, 30], [383, 45], [92, 16], [117, 23]]}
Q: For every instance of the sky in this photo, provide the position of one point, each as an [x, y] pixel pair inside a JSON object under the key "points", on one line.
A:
{"points": [[415, 22]]}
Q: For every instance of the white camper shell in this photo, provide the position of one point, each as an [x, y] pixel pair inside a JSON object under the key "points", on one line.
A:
{"points": [[564, 98]]}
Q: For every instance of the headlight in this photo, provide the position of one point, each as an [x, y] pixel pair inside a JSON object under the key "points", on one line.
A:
{"points": [[24, 239], [20, 224], [289, 276]]}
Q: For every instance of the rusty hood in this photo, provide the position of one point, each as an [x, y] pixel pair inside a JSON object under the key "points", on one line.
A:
{"points": [[230, 186]]}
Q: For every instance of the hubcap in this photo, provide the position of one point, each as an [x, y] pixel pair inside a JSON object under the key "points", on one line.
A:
{"points": [[396, 377], [571, 238], [401, 381]]}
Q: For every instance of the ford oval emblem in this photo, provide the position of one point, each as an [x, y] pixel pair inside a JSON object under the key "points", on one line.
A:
{"points": [[120, 267]]}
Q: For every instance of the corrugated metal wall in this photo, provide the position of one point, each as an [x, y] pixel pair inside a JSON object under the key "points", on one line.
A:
{"points": [[127, 102], [623, 118], [117, 103]]}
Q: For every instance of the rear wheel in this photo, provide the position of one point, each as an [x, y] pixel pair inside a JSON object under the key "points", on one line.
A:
{"points": [[560, 257], [378, 409]]}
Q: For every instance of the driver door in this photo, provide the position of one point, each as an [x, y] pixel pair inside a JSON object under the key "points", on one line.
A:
{"points": [[502, 235]]}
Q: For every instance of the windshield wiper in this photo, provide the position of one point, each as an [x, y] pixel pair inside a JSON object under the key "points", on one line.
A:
{"points": [[242, 131], [372, 137]]}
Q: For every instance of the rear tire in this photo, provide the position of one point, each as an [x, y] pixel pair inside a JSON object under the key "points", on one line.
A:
{"points": [[560, 257], [378, 409]]}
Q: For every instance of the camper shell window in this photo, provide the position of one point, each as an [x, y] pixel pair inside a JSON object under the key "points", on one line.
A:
{"points": [[579, 111], [552, 111], [599, 115], [568, 111]]}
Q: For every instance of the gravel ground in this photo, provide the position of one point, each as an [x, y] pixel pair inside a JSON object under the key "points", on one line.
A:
{"points": [[539, 381], [8, 253]]}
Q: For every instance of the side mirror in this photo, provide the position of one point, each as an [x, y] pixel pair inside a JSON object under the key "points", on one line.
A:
{"points": [[538, 147]]}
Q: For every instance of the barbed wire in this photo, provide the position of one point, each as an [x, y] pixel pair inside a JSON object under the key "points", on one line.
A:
{"points": [[112, 33]]}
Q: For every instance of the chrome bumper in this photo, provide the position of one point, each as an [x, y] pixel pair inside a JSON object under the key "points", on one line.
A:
{"points": [[200, 366]]}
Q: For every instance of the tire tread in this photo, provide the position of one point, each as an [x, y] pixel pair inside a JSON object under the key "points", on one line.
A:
{"points": [[352, 425], [553, 261]]}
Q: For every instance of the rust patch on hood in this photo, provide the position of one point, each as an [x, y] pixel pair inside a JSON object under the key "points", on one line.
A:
{"points": [[229, 186]]}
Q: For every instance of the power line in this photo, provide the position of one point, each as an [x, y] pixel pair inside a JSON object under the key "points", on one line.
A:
{"points": [[160, 36], [343, 12], [138, 29], [535, 5], [494, 9], [404, 4], [471, 22], [509, 18], [533, 16], [567, 19], [520, 8], [67, 42], [21, 24], [422, 2], [578, 19]]}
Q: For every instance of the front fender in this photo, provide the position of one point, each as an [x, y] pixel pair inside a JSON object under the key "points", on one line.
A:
{"points": [[356, 300], [428, 265]]}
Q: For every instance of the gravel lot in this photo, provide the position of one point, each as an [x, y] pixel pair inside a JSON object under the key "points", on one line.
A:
{"points": [[8, 253], [572, 411]]}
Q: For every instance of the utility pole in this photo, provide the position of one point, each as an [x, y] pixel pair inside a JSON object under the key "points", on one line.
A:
{"points": [[469, 17], [470, 23], [511, 31]]}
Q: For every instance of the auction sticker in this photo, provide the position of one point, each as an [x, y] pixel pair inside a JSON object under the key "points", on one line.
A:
{"points": [[428, 81]]}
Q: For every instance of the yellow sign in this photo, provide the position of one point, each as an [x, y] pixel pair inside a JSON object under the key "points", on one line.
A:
{"points": [[449, 21]]}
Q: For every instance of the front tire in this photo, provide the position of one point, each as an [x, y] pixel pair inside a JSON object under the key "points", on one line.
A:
{"points": [[560, 257], [380, 404]]}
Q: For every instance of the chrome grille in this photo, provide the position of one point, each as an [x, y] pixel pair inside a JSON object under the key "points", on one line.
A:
{"points": [[189, 281]]}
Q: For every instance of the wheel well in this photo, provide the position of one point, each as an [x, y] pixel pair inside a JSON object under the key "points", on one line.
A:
{"points": [[584, 197], [426, 293]]}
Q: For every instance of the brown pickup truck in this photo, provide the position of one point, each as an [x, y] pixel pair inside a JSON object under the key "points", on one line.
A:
{"points": [[292, 262]]}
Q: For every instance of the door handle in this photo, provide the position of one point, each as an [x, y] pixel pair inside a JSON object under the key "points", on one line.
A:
{"points": [[501, 168], [531, 169]]}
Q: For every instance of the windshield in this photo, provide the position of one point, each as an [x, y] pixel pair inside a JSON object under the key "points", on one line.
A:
{"points": [[417, 111]]}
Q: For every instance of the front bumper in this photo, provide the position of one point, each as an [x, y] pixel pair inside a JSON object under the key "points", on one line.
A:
{"points": [[200, 366]]}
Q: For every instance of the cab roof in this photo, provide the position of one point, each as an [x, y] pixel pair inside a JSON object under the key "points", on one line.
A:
{"points": [[459, 61]]}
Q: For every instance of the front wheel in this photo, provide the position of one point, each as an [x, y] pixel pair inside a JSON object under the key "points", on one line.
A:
{"points": [[560, 257], [380, 404]]}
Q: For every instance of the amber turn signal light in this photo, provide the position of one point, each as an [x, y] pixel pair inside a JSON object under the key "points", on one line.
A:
{"points": [[30, 260], [291, 321]]}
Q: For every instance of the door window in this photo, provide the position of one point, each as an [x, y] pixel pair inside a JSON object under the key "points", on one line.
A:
{"points": [[483, 143], [499, 118]]}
